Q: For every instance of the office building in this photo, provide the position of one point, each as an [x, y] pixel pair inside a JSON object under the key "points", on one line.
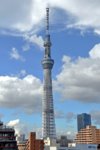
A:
{"points": [[83, 120], [33, 143], [90, 135], [7, 138], [48, 119]]}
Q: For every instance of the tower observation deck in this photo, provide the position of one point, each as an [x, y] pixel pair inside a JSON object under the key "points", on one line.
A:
{"points": [[48, 119]]}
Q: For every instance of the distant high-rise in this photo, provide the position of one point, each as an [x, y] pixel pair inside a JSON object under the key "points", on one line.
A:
{"points": [[48, 119], [83, 120]]}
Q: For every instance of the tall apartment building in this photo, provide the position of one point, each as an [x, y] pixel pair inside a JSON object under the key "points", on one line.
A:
{"points": [[7, 138], [83, 120], [33, 143], [90, 135]]}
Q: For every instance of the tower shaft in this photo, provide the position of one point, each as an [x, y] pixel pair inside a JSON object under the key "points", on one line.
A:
{"points": [[48, 120]]}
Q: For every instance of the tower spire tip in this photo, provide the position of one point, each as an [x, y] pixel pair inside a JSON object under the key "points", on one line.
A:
{"points": [[47, 19]]}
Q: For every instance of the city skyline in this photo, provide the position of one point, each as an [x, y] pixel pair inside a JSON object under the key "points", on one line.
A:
{"points": [[75, 36]]}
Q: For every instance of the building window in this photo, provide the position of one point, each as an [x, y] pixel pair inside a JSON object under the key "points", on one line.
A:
{"points": [[40, 149], [40, 141], [40, 145]]}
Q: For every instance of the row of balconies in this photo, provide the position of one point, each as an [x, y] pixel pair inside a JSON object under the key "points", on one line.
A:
{"points": [[7, 139], [7, 134], [85, 133], [4, 147], [87, 136], [6, 129], [83, 139], [79, 135], [7, 144]]}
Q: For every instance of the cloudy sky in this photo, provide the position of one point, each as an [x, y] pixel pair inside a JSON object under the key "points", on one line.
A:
{"points": [[75, 37]]}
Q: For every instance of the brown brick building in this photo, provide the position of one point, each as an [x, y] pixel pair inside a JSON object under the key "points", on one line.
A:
{"points": [[90, 135], [33, 143]]}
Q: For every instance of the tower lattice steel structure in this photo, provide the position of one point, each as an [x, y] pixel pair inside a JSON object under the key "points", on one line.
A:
{"points": [[48, 119]]}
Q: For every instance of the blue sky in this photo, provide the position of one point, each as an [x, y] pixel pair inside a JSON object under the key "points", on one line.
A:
{"points": [[75, 37]]}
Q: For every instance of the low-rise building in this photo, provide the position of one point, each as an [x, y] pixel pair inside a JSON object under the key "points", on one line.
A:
{"points": [[51, 142], [21, 141], [33, 143], [73, 146], [61, 141]]}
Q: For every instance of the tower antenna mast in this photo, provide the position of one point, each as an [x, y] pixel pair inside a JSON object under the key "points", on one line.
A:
{"points": [[47, 10]]}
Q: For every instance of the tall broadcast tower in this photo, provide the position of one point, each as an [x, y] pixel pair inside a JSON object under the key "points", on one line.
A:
{"points": [[48, 119]]}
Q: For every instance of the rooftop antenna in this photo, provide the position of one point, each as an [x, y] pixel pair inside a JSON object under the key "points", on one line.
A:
{"points": [[47, 10], [34, 128]]}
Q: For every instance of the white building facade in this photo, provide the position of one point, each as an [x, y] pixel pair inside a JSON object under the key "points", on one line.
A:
{"points": [[73, 146]]}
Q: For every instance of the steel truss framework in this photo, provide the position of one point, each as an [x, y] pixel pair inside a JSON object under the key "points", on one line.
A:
{"points": [[48, 119]]}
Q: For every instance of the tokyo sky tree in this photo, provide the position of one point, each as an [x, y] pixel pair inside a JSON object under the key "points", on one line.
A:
{"points": [[48, 119]]}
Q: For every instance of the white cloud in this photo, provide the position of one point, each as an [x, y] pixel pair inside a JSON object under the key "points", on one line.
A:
{"points": [[23, 72], [60, 132], [71, 135], [14, 54], [80, 79], [95, 52], [19, 16], [97, 31], [24, 129], [28, 16], [18, 74], [34, 40], [26, 93], [26, 47], [38, 132], [19, 128]]}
